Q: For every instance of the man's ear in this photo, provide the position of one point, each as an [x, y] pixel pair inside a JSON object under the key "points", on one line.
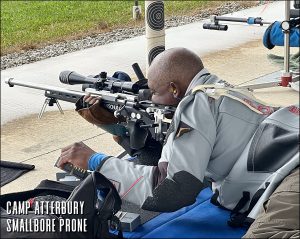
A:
{"points": [[175, 89]]}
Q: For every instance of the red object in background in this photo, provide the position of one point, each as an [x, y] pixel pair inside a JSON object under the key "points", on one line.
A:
{"points": [[285, 80]]}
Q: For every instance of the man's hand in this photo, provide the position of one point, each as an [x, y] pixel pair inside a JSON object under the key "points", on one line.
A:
{"points": [[94, 113], [91, 99], [77, 154]]}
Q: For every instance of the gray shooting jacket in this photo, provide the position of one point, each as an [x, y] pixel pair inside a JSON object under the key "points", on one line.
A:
{"points": [[211, 134]]}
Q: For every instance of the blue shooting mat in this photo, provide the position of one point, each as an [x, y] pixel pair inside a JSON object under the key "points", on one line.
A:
{"points": [[200, 220]]}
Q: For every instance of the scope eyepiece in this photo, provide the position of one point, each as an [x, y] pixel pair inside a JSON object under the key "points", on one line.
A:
{"points": [[217, 27], [103, 75]]}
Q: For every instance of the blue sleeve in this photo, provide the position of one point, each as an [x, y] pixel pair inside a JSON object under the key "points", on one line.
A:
{"points": [[95, 160]]}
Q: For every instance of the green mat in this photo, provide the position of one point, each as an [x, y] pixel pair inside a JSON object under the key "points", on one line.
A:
{"points": [[294, 60]]}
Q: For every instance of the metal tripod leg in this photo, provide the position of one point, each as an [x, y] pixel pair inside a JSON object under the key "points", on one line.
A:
{"points": [[59, 107], [50, 102], [46, 102]]}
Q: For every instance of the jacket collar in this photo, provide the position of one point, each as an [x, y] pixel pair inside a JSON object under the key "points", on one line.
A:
{"points": [[197, 80]]}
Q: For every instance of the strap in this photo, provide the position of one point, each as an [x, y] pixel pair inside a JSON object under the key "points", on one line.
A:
{"points": [[243, 102], [214, 198], [242, 202], [216, 91], [237, 219], [256, 197], [232, 89], [247, 221], [205, 87]]}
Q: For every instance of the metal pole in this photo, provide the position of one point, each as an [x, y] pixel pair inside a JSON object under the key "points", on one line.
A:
{"points": [[286, 75], [249, 20], [287, 39], [155, 29], [136, 10]]}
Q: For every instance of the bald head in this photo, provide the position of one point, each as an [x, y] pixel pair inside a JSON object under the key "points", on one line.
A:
{"points": [[171, 73]]}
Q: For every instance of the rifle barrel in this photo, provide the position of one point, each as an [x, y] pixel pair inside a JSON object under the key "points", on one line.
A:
{"points": [[105, 95], [12, 82]]}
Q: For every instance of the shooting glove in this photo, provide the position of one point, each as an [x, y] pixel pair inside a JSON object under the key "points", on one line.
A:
{"points": [[95, 113], [101, 117]]}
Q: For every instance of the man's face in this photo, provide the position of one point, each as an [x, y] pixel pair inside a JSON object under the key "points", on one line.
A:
{"points": [[161, 92]]}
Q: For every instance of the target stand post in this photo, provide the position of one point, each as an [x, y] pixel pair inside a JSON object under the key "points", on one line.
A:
{"points": [[136, 11], [155, 30]]}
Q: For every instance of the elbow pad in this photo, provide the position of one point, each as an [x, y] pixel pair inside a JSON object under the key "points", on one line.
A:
{"points": [[173, 194]]}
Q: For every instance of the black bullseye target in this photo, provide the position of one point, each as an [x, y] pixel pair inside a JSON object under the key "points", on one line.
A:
{"points": [[154, 52], [155, 16]]}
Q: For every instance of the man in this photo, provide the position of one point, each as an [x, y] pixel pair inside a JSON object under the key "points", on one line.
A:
{"points": [[209, 137]]}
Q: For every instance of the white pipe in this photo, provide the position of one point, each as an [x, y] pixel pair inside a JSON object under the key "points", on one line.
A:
{"points": [[155, 30]]}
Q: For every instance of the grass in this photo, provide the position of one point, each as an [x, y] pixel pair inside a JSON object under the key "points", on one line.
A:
{"points": [[31, 24]]}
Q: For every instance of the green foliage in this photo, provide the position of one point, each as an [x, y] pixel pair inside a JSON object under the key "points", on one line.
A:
{"points": [[26, 24]]}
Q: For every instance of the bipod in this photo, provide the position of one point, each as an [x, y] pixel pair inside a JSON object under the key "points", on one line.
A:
{"points": [[50, 102]]}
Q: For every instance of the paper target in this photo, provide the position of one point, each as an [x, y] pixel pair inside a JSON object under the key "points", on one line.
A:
{"points": [[154, 52], [155, 16]]}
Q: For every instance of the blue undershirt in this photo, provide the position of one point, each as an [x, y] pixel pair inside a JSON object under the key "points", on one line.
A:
{"points": [[95, 160]]}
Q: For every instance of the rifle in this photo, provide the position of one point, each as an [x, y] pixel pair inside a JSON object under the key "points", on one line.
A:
{"points": [[127, 100]]}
